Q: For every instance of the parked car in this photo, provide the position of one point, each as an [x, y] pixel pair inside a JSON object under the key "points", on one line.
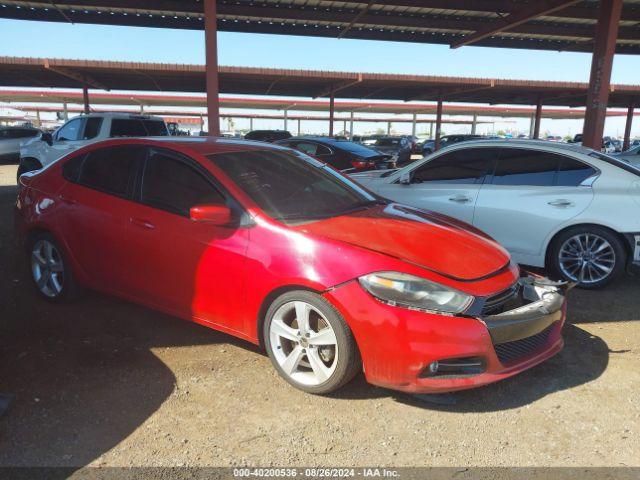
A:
{"points": [[269, 136], [617, 145], [341, 154], [608, 146], [85, 130], [279, 249], [428, 147], [451, 139], [11, 139], [370, 140], [399, 147], [631, 156], [559, 206]]}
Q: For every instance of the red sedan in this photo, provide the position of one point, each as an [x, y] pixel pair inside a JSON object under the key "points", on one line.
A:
{"points": [[279, 249]]}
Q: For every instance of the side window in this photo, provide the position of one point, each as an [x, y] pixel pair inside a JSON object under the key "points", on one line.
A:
{"points": [[28, 133], [72, 168], [111, 170], [92, 128], [572, 173], [308, 148], [122, 127], [322, 150], [172, 185], [468, 166], [70, 131], [518, 166]]}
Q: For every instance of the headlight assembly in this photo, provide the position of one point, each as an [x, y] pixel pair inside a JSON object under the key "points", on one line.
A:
{"points": [[406, 290]]}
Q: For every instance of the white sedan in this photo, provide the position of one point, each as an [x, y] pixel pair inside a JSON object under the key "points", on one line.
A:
{"points": [[564, 207]]}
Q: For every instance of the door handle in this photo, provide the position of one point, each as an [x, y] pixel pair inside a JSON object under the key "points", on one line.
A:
{"points": [[139, 222], [460, 199], [562, 203], [68, 199]]}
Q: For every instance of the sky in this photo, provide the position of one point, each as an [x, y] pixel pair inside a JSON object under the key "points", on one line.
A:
{"points": [[98, 42]]}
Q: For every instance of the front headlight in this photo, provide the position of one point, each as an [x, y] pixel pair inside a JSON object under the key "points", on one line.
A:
{"points": [[402, 289]]}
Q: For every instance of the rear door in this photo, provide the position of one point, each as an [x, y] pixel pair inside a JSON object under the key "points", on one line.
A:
{"points": [[448, 184], [529, 195], [95, 202]]}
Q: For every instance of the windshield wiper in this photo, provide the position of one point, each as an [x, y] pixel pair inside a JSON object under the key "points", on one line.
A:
{"points": [[353, 208]]}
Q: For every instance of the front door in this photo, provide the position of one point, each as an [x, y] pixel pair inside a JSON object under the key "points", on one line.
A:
{"points": [[447, 184], [195, 270]]}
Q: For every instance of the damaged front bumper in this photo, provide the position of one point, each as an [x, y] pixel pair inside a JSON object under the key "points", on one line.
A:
{"points": [[531, 306]]}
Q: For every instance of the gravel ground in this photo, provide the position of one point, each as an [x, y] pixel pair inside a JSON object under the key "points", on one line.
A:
{"points": [[104, 382]]}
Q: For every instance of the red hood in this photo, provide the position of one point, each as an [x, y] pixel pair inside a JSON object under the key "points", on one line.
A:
{"points": [[430, 240]]}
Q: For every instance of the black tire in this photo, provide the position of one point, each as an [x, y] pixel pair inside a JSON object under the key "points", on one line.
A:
{"points": [[70, 289], [348, 360], [27, 165], [619, 256]]}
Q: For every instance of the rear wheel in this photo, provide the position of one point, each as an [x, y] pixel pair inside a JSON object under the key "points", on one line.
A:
{"points": [[309, 343], [51, 274], [592, 256]]}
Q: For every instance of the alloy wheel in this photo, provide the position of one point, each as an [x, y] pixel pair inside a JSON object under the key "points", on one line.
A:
{"points": [[587, 258], [47, 268], [303, 343]]}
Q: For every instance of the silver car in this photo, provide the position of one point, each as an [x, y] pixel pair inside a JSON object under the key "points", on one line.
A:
{"points": [[11, 139]]}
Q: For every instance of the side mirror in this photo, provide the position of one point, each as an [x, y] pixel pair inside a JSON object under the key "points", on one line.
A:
{"points": [[405, 178], [213, 214], [47, 137]]}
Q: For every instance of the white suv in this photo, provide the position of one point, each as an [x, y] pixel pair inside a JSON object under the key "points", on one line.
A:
{"points": [[564, 207], [84, 130]]}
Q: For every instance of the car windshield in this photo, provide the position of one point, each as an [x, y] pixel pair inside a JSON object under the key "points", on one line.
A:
{"points": [[293, 187]]}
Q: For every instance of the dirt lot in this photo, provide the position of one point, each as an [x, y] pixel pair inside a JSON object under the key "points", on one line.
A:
{"points": [[105, 382]]}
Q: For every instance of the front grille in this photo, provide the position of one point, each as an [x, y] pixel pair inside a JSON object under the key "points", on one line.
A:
{"points": [[511, 351], [498, 303]]}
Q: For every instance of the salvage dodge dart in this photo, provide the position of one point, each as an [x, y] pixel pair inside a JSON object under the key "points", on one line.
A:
{"points": [[275, 247]]}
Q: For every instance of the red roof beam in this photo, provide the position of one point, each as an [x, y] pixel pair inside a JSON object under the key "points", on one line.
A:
{"points": [[514, 19]]}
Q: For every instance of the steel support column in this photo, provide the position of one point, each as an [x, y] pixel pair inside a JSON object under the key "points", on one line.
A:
{"points": [[286, 120], [85, 98], [332, 106], [351, 128], [388, 128], [532, 125], [600, 80], [211, 55], [38, 119], [474, 124], [414, 124], [537, 121], [65, 111], [299, 126], [438, 124], [251, 124], [627, 128], [431, 131]]}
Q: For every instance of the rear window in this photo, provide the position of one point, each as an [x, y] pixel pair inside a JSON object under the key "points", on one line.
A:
{"points": [[133, 127], [388, 142]]}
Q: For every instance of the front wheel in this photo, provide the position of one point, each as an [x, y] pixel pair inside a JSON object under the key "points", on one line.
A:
{"points": [[309, 343], [591, 256]]}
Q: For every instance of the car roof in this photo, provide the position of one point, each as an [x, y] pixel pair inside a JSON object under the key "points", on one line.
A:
{"points": [[201, 145], [137, 116], [521, 142]]}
